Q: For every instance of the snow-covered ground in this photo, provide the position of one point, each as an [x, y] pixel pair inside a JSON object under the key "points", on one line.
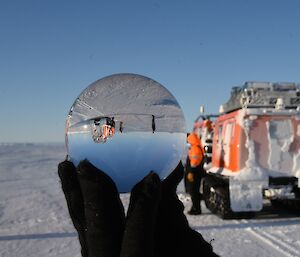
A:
{"points": [[34, 221]]}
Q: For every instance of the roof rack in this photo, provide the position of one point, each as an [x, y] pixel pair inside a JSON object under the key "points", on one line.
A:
{"points": [[263, 94]]}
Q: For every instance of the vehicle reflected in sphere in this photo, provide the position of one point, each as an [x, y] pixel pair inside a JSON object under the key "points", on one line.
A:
{"points": [[102, 129], [126, 125]]}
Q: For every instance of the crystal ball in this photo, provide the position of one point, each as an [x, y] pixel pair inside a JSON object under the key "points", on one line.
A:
{"points": [[126, 125]]}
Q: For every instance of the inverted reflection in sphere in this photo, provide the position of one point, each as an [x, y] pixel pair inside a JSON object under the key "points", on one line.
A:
{"points": [[126, 125]]}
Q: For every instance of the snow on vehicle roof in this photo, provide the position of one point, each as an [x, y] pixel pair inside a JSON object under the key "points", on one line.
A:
{"points": [[263, 94]]}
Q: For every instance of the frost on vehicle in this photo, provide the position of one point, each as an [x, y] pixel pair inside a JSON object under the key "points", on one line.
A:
{"points": [[255, 150], [126, 125]]}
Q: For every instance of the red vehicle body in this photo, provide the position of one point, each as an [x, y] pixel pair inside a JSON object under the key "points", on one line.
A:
{"points": [[253, 150]]}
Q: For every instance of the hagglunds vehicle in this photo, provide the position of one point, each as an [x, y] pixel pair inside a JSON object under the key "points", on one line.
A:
{"points": [[253, 150]]}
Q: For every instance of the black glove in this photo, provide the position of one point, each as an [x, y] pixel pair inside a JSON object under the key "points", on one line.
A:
{"points": [[155, 225]]}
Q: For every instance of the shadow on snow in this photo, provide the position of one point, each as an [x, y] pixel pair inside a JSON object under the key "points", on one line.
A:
{"points": [[38, 236]]}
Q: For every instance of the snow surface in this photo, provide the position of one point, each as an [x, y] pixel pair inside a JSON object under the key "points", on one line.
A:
{"points": [[34, 220]]}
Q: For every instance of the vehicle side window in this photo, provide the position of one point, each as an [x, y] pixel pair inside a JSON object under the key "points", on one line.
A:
{"points": [[220, 130], [280, 129], [232, 129], [228, 133]]}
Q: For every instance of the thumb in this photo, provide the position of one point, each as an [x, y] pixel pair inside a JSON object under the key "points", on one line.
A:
{"points": [[171, 182]]}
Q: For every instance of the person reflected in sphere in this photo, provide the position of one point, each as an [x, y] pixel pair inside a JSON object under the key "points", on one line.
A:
{"points": [[153, 124], [121, 127], [112, 125]]}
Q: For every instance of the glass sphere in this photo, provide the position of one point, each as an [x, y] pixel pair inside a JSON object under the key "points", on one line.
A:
{"points": [[126, 125]]}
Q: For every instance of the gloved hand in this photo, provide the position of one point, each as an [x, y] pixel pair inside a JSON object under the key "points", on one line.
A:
{"points": [[190, 177], [155, 225]]}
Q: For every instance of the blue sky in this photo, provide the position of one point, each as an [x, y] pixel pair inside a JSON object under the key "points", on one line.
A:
{"points": [[51, 50]]}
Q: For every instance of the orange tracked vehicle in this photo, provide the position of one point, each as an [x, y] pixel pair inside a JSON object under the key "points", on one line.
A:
{"points": [[253, 150]]}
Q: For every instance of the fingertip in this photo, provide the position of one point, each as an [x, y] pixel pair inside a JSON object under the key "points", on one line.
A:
{"points": [[88, 172], [85, 169], [180, 167], [149, 186], [84, 165], [152, 178], [66, 165], [66, 169], [175, 177]]}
